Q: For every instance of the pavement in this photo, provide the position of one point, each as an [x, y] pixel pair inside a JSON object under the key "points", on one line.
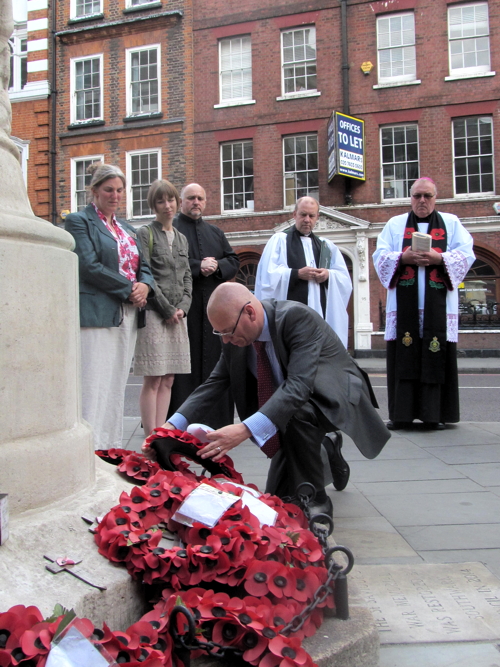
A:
{"points": [[430, 497]]}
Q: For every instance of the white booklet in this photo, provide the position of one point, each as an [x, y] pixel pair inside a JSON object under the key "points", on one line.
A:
{"points": [[421, 242]]}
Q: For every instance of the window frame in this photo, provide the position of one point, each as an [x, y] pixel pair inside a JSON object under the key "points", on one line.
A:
{"points": [[73, 104], [401, 79], [130, 3], [285, 189], [75, 16], [477, 70], [128, 79], [17, 56], [225, 179], [232, 101], [73, 162], [307, 91], [486, 193], [130, 200], [394, 162]]}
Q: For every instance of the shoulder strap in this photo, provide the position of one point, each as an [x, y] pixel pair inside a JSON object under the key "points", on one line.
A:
{"points": [[150, 241]]}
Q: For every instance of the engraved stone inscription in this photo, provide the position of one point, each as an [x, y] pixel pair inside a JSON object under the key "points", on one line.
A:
{"points": [[430, 603]]}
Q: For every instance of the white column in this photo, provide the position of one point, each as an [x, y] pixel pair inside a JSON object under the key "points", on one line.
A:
{"points": [[363, 324]]}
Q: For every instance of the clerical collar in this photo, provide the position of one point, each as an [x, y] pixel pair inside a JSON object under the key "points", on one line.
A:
{"points": [[300, 233]]}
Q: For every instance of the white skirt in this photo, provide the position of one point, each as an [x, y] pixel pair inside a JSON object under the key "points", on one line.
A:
{"points": [[162, 349], [106, 358]]}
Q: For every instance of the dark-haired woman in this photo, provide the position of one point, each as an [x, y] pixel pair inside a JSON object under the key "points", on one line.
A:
{"points": [[162, 349]]}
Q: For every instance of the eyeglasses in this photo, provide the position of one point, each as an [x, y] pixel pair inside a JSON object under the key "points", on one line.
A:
{"points": [[426, 196], [231, 333]]}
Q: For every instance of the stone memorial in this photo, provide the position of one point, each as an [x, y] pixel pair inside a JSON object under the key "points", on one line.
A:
{"points": [[431, 602]]}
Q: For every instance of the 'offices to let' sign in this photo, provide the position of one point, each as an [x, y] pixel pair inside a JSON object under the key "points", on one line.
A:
{"points": [[346, 146]]}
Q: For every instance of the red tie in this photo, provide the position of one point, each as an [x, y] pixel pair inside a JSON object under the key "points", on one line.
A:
{"points": [[265, 389]]}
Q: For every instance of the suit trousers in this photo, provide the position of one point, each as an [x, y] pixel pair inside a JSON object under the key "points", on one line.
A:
{"points": [[299, 458]]}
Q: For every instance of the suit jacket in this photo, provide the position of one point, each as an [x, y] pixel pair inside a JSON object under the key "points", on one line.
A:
{"points": [[102, 287], [316, 368]]}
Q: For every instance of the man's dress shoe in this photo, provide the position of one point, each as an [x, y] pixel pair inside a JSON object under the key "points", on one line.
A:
{"points": [[339, 467]]}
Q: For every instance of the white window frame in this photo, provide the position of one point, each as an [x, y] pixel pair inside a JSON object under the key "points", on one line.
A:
{"points": [[395, 162], [309, 193], [477, 70], [23, 146], [396, 44], [73, 63], [75, 15], [74, 161], [243, 98], [306, 92], [139, 3], [455, 157], [130, 202], [17, 56], [128, 77], [224, 179]]}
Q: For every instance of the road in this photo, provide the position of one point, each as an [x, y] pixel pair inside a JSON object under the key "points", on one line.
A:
{"points": [[479, 396]]}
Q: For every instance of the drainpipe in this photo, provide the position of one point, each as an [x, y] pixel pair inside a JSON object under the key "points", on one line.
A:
{"points": [[53, 120], [345, 85]]}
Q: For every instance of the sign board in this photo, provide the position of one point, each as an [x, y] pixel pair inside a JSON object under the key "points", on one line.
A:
{"points": [[346, 146]]}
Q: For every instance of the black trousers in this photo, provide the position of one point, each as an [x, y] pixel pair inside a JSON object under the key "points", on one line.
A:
{"points": [[412, 399], [299, 458]]}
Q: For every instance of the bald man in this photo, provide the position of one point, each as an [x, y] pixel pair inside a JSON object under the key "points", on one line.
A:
{"points": [[212, 262], [318, 387]]}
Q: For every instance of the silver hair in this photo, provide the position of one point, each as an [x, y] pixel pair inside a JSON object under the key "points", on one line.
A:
{"points": [[103, 172]]}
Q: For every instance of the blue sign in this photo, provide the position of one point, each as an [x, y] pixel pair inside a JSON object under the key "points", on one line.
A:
{"points": [[349, 147]]}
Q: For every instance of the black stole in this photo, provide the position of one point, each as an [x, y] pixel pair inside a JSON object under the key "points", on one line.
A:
{"points": [[296, 259], [424, 358]]}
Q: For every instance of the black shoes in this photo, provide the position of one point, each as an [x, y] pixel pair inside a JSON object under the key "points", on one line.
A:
{"points": [[435, 426], [321, 508], [396, 426], [332, 442]]}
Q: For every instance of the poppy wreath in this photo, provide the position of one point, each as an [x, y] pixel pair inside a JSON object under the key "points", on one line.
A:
{"points": [[264, 575]]}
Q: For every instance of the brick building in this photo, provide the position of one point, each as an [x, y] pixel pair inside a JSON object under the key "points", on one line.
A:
{"points": [[124, 96], [266, 80], [29, 96]]}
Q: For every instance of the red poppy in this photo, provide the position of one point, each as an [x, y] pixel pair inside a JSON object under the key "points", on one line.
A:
{"points": [[254, 645], [408, 273], [288, 648], [438, 234], [435, 277], [408, 232]]}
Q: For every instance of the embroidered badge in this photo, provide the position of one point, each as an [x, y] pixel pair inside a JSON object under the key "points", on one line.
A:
{"points": [[407, 339], [435, 345]]}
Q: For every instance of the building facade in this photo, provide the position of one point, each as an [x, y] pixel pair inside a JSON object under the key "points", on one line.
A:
{"points": [[124, 96], [29, 93], [421, 74]]}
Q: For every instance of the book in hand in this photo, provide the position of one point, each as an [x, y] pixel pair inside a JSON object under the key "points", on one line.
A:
{"points": [[421, 242], [325, 256]]}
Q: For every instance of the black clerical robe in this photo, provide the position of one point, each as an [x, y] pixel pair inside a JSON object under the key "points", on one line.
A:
{"points": [[204, 240]]}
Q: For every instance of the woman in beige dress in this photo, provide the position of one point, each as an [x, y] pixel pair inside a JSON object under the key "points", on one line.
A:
{"points": [[162, 348]]}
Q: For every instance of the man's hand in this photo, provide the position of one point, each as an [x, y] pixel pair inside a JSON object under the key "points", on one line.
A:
{"points": [[421, 258], [224, 439], [208, 266], [308, 273], [321, 275], [139, 294], [150, 453]]}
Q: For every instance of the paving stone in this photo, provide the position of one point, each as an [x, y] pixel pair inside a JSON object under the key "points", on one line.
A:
{"points": [[490, 558], [468, 454], [439, 509], [422, 487], [486, 474], [392, 471], [447, 655], [441, 538]]}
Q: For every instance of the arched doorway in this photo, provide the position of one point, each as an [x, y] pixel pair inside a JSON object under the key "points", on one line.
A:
{"points": [[479, 294], [248, 269]]}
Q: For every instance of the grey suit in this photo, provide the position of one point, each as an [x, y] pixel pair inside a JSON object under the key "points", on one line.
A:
{"points": [[102, 288], [323, 389]]}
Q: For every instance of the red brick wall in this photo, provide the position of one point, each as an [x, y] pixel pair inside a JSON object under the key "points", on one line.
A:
{"points": [[172, 133]]}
